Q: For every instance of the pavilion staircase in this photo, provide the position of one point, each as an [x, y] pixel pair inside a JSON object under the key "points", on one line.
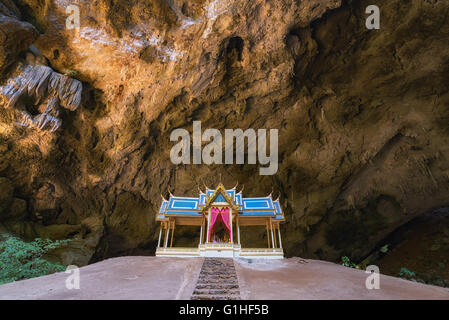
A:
{"points": [[217, 280]]}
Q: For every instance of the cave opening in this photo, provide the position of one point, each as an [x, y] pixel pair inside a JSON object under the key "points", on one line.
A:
{"points": [[235, 48]]}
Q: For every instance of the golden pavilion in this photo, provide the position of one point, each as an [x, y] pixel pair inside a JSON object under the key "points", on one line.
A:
{"points": [[219, 213]]}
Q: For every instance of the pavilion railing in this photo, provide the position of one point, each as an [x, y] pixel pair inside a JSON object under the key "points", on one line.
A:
{"points": [[261, 250], [218, 245], [180, 250]]}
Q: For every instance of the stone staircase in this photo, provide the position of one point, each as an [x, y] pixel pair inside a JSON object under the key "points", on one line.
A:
{"points": [[217, 280]]}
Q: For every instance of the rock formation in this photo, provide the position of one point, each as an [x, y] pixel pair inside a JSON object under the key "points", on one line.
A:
{"points": [[42, 83], [362, 116], [15, 35]]}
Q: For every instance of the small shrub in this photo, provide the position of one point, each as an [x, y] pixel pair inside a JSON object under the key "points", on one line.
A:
{"points": [[23, 260], [406, 273], [70, 73], [384, 249], [346, 262]]}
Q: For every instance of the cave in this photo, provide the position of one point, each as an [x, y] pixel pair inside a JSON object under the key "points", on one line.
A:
{"points": [[87, 118]]}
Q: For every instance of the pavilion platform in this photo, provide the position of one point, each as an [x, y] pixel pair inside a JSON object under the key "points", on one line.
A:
{"points": [[221, 250]]}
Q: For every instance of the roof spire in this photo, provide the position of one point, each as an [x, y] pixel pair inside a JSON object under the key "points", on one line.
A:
{"points": [[278, 197], [206, 187]]}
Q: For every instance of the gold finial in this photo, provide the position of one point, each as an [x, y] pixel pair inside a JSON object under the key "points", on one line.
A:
{"points": [[170, 192], [163, 199], [236, 185]]}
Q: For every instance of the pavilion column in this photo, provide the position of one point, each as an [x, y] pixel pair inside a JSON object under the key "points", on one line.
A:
{"points": [[201, 234], [268, 236], [279, 233], [238, 231], [204, 231], [230, 217], [160, 234], [172, 234], [208, 227], [167, 232], [272, 236]]}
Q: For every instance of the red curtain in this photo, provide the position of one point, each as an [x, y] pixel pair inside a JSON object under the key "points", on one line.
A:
{"points": [[217, 215], [213, 218], [224, 214]]}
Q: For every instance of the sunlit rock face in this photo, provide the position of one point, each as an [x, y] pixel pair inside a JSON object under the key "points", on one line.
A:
{"points": [[362, 117]]}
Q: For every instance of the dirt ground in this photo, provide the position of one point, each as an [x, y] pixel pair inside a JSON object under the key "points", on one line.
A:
{"points": [[130, 278], [295, 279]]}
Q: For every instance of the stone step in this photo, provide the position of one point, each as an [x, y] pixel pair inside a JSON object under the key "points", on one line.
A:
{"points": [[216, 273], [217, 281], [216, 292], [217, 286], [206, 282], [215, 297], [221, 276], [215, 265]]}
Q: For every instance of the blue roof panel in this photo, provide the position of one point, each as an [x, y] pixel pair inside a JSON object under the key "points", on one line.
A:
{"points": [[231, 194], [163, 206], [183, 203], [187, 213], [257, 204], [220, 198], [238, 199], [277, 206], [202, 199], [258, 213]]}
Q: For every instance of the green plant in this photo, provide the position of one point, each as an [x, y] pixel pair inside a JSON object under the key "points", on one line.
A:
{"points": [[23, 260], [406, 273], [347, 263], [70, 73]]}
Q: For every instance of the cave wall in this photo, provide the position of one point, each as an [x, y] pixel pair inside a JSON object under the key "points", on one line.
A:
{"points": [[362, 117]]}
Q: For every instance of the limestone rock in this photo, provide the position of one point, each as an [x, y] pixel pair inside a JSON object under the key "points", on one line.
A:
{"points": [[15, 37], [41, 83]]}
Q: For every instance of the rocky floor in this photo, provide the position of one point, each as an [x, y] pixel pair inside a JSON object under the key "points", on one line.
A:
{"points": [[217, 280], [155, 278]]}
